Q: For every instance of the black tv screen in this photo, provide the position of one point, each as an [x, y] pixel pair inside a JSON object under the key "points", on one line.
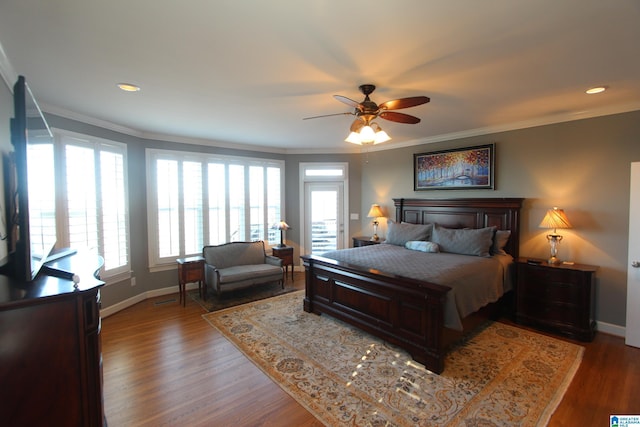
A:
{"points": [[32, 225]]}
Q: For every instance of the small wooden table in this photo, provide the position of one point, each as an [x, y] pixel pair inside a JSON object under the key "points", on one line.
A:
{"points": [[285, 253], [360, 241], [190, 269]]}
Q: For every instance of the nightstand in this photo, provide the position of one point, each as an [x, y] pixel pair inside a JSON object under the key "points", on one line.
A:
{"points": [[558, 298], [285, 253], [190, 269], [364, 241]]}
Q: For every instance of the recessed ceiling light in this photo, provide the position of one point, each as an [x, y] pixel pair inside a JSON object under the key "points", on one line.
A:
{"points": [[597, 89], [128, 87]]}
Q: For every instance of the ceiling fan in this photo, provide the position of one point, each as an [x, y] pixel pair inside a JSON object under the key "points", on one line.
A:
{"points": [[363, 129]]}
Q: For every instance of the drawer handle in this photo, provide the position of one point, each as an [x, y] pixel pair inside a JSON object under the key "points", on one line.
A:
{"points": [[635, 264]]}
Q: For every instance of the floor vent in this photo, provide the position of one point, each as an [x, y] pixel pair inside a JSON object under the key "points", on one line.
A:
{"points": [[164, 302]]}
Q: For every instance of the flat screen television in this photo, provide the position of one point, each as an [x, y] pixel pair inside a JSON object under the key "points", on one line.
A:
{"points": [[29, 187]]}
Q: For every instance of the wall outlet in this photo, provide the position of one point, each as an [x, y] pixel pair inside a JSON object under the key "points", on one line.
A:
{"points": [[133, 281], [355, 216]]}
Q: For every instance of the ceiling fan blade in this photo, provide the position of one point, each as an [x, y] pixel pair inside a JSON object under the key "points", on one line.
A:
{"points": [[398, 104], [350, 102], [399, 117], [328, 115]]}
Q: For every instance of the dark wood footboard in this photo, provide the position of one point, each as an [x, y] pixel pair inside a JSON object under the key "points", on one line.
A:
{"points": [[405, 312]]}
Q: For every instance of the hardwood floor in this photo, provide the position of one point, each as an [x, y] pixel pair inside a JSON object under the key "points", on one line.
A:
{"points": [[165, 365]]}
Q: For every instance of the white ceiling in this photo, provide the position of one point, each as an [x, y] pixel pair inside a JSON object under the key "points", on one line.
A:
{"points": [[237, 73]]}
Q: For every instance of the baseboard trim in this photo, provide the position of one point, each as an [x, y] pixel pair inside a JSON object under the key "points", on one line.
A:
{"points": [[611, 329], [112, 309]]}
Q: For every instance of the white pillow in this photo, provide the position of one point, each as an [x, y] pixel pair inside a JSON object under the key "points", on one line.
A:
{"points": [[500, 240], [422, 246]]}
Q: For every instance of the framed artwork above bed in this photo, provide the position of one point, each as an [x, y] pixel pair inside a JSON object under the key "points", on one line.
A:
{"points": [[457, 169]]}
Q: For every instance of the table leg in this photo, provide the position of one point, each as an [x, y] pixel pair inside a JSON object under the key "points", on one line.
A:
{"points": [[183, 292]]}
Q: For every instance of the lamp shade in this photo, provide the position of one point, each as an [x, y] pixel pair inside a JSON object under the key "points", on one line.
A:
{"points": [[281, 225], [375, 211], [555, 218]]}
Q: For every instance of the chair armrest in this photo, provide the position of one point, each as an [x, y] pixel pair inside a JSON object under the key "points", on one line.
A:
{"points": [[270, 259], [211, 277]]}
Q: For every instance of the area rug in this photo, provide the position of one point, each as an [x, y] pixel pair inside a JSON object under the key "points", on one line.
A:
{"points": [[239, 296], [500, 376]]}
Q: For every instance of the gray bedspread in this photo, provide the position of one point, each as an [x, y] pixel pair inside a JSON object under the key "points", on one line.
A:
{"points": [[474, 281]]}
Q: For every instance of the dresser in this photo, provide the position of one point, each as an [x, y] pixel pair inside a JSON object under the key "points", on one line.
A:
{"points": [[50, 349], [557, 298]]}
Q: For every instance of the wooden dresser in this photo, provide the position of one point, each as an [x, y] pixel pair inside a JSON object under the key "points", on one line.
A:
{"points": [[50, 349]]}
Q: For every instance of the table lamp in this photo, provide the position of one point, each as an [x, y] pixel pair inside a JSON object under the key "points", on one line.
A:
{"points": [[375, 212], [554, 219], [282, 226]]}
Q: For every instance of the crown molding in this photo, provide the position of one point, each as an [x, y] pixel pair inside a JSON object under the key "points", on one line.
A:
{"points": [[525, 124]]}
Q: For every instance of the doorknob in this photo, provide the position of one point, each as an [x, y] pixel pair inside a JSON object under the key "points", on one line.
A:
{"points": [[635, 264]]}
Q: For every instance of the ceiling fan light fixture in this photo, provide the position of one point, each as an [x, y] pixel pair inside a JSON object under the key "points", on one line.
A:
{"points": [[354, 138], [367, 134], [364, 131], [381, 136]]}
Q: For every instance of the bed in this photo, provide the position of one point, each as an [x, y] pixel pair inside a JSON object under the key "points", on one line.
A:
{"points": [[402, 307]]}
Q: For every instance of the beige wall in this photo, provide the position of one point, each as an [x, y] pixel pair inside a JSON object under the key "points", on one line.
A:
{"points": [[581, 166]]}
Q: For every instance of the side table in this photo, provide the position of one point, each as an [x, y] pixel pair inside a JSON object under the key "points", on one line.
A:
{"points": [[285, 253], [559, 298], [360, 241], [190, 269]]}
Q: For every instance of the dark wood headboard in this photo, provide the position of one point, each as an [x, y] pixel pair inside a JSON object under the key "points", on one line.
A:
{"points": [[503, 213]]}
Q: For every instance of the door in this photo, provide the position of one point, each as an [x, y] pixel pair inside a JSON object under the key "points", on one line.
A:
{"points": [[324, 211], [632, 334]]}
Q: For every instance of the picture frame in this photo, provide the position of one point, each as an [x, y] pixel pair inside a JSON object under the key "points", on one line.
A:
{"points": [[468, 168]]}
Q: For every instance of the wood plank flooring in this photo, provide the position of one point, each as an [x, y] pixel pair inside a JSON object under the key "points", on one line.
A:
{"points": [[165, 366]]}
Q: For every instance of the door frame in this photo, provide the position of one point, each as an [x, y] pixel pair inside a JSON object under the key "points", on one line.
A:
{"points": [[323, 172], [632, 326]]}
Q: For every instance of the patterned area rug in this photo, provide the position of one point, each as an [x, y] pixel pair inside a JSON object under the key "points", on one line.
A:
{"points": [[501, 376]]}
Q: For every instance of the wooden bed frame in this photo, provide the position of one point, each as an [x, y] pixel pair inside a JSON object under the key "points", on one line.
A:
{"points": [[406, 312]]}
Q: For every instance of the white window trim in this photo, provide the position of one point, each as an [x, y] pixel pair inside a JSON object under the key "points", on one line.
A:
{"points": [[303, 177], [62, 223], [151, 154]]}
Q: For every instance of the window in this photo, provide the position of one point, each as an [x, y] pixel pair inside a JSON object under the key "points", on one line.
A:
{"points": [[197, 199], [41, 189], [91, 185]]}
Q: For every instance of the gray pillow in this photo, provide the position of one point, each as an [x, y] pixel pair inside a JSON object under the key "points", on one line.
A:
{"points": [[500, 240], [464, 241], [399, 234]]}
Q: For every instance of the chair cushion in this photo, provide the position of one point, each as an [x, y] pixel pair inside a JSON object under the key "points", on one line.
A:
{"points": [[241, 273]]}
